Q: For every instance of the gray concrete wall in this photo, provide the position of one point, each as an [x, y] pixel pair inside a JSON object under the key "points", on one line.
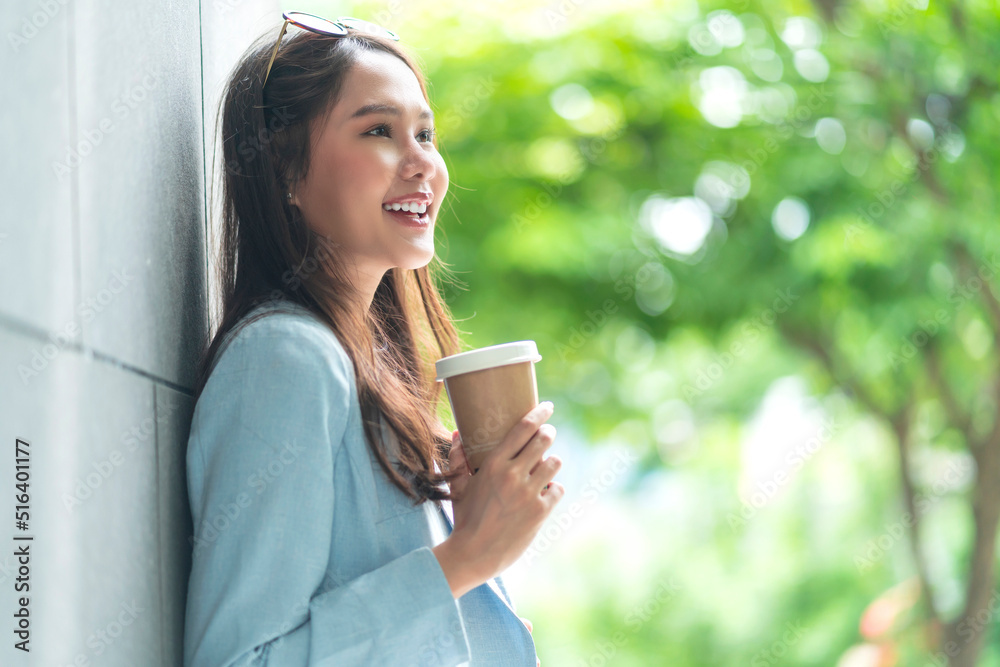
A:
{"points": [[107, 140]]}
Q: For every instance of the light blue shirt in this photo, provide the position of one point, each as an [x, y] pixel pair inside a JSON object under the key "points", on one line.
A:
{"points": [[305, 554]]}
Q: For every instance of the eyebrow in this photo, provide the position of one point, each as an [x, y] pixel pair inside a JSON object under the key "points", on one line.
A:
{"points": [[387, 108]]}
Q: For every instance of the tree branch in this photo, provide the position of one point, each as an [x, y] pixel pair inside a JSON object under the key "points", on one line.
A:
{"points": [[965, 631], [956, 415], [901, 427], [966, 270], [923, 167], [899, 421], [824, 352]]}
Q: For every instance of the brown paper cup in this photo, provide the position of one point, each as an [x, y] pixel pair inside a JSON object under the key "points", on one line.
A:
{"points": [[490, 390]]}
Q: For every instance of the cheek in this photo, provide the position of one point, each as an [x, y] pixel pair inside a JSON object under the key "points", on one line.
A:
{"points": [[359, 173], [441, 173], [346, 193]]}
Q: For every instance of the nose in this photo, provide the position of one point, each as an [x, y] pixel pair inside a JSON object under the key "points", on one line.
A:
{"points": [[418, 161]]}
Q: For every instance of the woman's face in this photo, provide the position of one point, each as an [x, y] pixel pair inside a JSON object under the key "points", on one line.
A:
{"points": [[375, 148]]}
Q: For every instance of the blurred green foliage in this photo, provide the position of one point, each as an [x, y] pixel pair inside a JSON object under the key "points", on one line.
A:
{"points": [[685, 203]]}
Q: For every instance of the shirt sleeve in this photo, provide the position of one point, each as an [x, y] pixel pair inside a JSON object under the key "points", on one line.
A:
{"points": [[265, 437]]}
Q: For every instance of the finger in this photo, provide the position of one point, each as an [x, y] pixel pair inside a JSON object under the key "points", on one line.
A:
{"points": [[555, 491], [521, 432], [526, 622], [531, 455], [545, 471]]}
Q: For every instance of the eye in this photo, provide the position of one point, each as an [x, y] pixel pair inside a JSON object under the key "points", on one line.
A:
{"points": [[385, 127], [428, 135]]}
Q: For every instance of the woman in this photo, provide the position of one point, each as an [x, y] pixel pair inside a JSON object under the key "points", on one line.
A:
{"points": [[323, 525]]}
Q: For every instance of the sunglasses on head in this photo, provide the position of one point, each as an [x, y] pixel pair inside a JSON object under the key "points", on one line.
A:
{"points": [[322, 26]]}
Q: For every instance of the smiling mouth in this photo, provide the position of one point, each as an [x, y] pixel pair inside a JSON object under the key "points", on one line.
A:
{"points": [[412, 212], [409, 216]]}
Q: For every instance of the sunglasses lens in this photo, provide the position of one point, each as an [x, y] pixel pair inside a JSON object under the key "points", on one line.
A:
{"points": [[315, 24], [366, 26]]}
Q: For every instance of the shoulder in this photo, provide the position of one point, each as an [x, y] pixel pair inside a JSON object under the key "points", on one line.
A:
{"points": [[283, 341], [285, 328], [280, 377]]}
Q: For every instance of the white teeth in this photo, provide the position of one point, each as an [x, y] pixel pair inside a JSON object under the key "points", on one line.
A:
{"points": [[409, 207]]}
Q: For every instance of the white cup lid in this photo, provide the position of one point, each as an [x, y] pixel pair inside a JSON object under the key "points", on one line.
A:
{"points": [[487, 357]]}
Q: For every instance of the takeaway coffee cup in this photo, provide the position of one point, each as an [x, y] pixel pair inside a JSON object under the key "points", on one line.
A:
{"points": [[490, 390]]}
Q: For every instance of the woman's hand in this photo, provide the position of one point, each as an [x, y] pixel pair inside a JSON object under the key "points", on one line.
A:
{"points": [[499, 510]]}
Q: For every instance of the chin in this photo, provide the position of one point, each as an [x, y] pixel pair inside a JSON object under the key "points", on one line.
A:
{"points": [[416, 260]]}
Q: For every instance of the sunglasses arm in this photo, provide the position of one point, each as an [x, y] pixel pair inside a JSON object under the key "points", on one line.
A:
{"points": [[274, 53]]}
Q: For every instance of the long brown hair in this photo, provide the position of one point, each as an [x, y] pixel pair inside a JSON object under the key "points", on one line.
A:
{"points": [[268, 253]]}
